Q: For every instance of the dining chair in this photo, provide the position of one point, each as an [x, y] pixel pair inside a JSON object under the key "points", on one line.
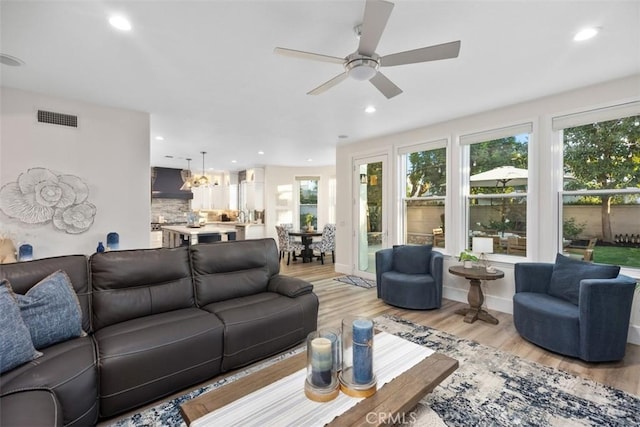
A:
{"points": [[328, 243], [285, 244]]}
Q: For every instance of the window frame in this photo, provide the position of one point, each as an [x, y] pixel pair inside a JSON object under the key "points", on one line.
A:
{"points": [[580, 118], [466, 140], [298, 205], [402, 154]]}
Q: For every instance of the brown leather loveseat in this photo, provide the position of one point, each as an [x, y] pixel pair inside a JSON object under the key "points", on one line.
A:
{"points": [[156, 321]]}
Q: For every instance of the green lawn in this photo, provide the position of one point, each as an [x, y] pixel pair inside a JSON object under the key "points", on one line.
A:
{"points": [[629, 257]]}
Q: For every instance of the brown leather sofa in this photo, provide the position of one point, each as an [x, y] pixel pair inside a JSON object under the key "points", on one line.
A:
{"points": [[157, 321]]}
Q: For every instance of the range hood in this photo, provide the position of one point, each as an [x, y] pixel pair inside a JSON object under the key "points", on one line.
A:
{"points": [[166, 183]]}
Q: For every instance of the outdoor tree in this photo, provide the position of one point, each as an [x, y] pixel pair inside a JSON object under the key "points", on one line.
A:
{"points": [[427, 169], [427, 174], [602, 156], [374, 196], [510, 151]]}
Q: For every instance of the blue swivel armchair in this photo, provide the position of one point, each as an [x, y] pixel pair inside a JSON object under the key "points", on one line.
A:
{"points": [[410, 276], [574, 308]]}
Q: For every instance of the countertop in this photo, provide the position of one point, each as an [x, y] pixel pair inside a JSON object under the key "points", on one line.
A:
{"points": [[198, 230], [210, 227], [233, 223]]}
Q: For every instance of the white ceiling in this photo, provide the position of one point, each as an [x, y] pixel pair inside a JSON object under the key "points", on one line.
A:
{"points": [[207, 74]]}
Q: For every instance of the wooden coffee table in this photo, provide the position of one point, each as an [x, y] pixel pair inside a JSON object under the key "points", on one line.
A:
{"points": [[396, 397]]}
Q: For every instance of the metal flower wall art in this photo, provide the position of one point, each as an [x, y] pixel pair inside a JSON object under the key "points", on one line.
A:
{"points": [[40, 196]]}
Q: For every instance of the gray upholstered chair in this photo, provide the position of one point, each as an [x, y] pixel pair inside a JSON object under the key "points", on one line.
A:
{"points": [[574, 308], [410, 276]]}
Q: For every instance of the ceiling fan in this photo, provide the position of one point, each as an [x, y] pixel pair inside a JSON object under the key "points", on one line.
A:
{"points": [[364, 63]]}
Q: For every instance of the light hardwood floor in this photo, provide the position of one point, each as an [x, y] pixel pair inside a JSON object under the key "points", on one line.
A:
{"points": [[338, 300]]}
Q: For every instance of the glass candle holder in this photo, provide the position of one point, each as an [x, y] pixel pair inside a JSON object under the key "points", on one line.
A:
{"points": [[357, 376], [334, 336], [321, 383]]}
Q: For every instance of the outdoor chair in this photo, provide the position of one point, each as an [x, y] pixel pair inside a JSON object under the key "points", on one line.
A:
{"points": [[497, 245], [410, 276], [438, 237], [574, 308], [584, 253], [516, 245], [327, 244]]}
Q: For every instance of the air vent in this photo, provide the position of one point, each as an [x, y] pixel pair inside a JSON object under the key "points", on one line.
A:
{"points": [[57, 118]]}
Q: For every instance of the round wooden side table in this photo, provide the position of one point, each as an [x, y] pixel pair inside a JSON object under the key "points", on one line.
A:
{"points": [[475, 297]]}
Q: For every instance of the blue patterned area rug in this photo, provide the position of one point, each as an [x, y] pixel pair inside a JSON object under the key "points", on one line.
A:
{"points": [[357, 281], [494, 388], [490, 388]]}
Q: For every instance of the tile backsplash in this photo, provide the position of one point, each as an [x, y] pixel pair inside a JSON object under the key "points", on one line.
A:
{"points": [[172, 210]]}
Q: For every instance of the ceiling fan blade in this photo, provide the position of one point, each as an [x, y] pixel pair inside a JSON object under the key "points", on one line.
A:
{"points": [[376, 15], [431, 53], [328, 85], [384, 85], [307, 55]]}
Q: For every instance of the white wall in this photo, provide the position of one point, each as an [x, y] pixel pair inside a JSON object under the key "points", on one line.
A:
{"points": [[543, 206], [279, 175], [109, 151]]}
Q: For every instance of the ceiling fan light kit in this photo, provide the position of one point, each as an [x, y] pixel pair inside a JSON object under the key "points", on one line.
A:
{"points": [[364, 63], [361, 68]]}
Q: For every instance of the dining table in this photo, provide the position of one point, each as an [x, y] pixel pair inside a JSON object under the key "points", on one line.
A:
{"points": [[307, 238]]}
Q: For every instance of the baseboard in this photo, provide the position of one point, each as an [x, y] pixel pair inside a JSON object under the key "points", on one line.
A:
{"points": [[343, 268], [634, 335]]}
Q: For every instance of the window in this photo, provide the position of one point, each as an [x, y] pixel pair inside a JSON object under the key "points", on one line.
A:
{"points": [[424, 169], [284, 204], [600, 199], [308, 201], [498, 185]]}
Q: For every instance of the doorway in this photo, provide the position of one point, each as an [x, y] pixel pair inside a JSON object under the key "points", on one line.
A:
{"points": [[370, 216]]}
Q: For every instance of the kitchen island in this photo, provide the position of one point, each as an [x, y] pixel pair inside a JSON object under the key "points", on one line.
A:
{"points": [[178, 235]]}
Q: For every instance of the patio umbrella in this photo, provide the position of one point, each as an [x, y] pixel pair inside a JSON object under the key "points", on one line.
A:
{"points": [[500, 176]]}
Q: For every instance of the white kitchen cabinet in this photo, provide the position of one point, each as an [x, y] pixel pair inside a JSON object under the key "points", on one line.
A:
{"points": [[252, 188]]}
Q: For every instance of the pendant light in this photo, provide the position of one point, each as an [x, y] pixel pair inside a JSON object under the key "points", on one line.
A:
{"points": [[186, 176], [203, 180]]}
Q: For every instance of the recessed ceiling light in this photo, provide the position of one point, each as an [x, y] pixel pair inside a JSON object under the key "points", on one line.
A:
{"points": [[169, 157], [586, 34], [309, 160], [120, 22], [370, 109], [234, 161], [260, 152], [11, 61], [159, 138], [343, 136]]}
